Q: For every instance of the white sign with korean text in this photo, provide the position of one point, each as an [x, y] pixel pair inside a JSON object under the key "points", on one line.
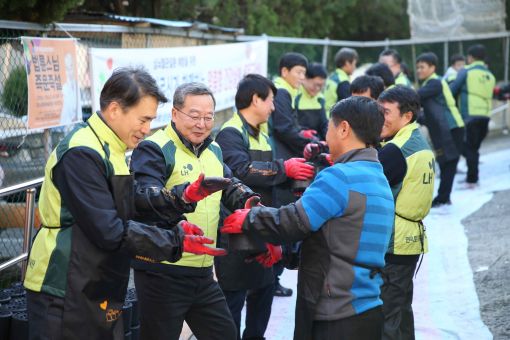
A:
{"points": [[218, 66]]}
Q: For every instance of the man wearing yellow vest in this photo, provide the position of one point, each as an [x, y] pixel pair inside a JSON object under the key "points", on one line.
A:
{"points": [[393, 59], [247, 151], [443, 121], [337, 85], [288, 136], [78, 269], [408, 165], [474, 85], [171, 293], [310, 103]]}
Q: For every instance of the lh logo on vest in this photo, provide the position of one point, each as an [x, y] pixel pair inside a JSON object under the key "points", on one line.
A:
{"points": [[186, 169], [427, 177]]}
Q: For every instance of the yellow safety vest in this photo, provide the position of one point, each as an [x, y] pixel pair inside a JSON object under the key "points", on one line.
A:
{"points": [[339, 76], [186, 167], [413, 197], [50, 253]]}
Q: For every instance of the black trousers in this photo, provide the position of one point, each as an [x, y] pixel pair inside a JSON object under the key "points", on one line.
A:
{"points": [[476, 131], [258, 309], [167, 300], [277, 270], [397, 296], [365, 326], [45, 313], [448, 169]]}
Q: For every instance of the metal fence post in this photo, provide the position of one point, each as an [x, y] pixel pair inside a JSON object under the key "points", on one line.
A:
{"points": [[445, 55], [325, 50], [29, 224], [506, 56], [413, 51]]}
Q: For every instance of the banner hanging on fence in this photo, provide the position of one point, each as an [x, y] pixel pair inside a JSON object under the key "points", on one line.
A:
{"points": [[218, 66], [53, 92]]}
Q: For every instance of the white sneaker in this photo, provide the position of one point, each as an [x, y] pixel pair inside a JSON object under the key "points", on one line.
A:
{"points": [[467, 186]]}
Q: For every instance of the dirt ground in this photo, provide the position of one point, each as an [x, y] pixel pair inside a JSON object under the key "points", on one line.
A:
{"points": [[488, 232]]}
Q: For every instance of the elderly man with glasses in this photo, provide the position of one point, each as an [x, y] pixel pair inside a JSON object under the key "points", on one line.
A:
{"points": [[171, 293]]}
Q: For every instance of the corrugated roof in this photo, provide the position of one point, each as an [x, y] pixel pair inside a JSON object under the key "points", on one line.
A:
{"points": [[197, 25]]}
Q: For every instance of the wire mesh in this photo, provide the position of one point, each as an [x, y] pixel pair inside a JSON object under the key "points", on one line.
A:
{"points": [[23, 153]]}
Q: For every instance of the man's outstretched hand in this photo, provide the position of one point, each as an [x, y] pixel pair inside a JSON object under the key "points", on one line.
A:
{"points": [[270, 257], [190, 228], [233, 224], [196, 244], [203, 187]]}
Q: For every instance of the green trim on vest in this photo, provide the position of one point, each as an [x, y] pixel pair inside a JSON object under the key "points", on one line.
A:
{"points": [[413, 197], [55, 279], [402, 79], [281, 83], [332, 82], [452, 112], [167, 147], [476, 94], [261, 144], [304, 101]]}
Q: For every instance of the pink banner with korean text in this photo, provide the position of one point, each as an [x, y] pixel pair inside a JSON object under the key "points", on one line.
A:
{"points": [[53, 91]]}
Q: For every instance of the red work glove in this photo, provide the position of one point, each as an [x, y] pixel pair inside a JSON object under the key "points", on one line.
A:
{"points": [[190, 228], [253, 201], [313, 149], [233, 224], [197, 245], [297, 169], [203, 187], [325, 158], [270, 257], [310, 134]]}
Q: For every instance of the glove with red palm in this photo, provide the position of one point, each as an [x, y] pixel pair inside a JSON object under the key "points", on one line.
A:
{"points": [[270, 257], [310, 134], [325, 159], [296, 168], [203, 187], [233, 224], [190, 228], [196, 244], [313, 149]]}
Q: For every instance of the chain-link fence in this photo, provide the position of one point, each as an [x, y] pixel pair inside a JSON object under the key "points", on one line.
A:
{"points": [[23, 153]]}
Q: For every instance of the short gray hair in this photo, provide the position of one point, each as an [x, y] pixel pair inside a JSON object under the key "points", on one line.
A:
{"points": [[190, 89]]}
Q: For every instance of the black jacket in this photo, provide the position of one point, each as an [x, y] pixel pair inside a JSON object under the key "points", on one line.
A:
{"points": [[434, 112], [257, 169]]}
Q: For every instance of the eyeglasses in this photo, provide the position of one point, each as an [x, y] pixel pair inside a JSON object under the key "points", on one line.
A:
{"points": [[196, 119], [317, 86]]}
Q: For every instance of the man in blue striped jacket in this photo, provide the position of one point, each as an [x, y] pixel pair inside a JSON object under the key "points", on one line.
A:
{"points": [[345, 219]]}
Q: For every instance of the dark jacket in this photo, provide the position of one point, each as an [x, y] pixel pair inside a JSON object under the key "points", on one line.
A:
{"points": [[247, 151], [436, 113], [283, 124], [311, 113]]}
